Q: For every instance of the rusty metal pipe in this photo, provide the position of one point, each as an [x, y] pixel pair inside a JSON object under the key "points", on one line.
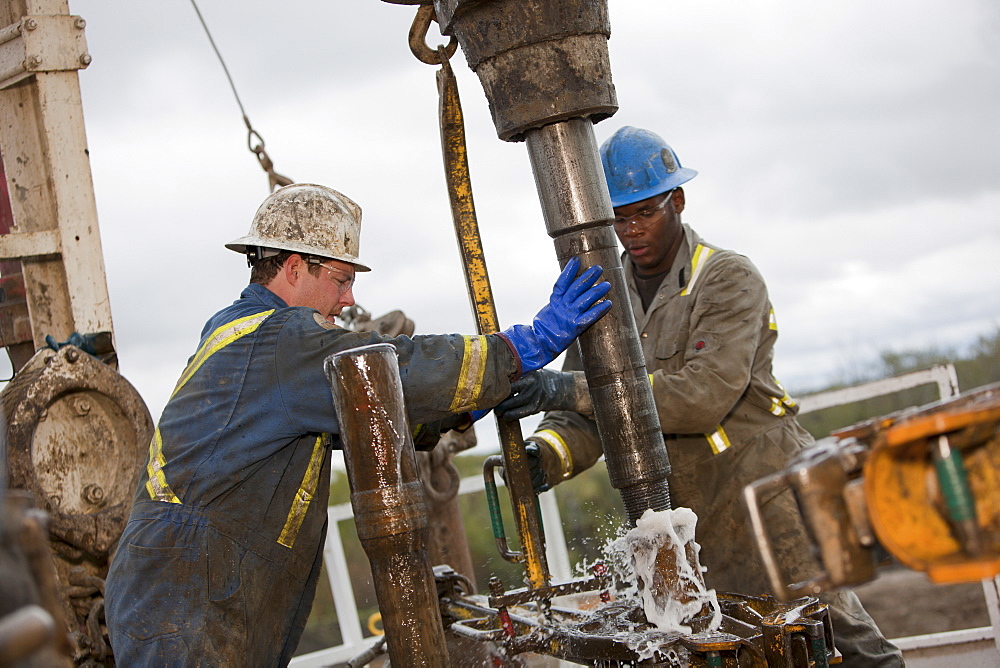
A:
{"points": [[388, 500], [545, 70], [577, 210]]}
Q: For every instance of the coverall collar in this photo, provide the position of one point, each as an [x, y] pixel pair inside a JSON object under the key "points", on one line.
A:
{"points": [[257, 292]]}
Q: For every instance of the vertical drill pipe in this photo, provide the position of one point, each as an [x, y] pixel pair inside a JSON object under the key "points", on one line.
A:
{"points": [[545, 69], [577, 210], [388, 500], [522, 495]]}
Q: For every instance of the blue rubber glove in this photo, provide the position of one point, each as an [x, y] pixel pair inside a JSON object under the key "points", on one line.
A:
{"points": [[573, 307], [480, 414]]}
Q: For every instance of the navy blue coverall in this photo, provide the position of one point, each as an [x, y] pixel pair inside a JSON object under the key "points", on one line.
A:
{"points": [[219, 561]]}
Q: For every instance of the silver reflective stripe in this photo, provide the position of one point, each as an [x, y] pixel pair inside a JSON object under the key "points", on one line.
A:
{"points": [[558, 445], [718, 440], [698, 260], [157, 485], [470, 377]]}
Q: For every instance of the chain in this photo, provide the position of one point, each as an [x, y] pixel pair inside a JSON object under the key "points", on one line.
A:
{"points": [[274, 179]]}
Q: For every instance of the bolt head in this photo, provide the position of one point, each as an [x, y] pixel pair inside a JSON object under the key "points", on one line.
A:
{"points": [[80, 23], [94, 494], [30, 24], [72, 355], [82, 406], [86, 59]]}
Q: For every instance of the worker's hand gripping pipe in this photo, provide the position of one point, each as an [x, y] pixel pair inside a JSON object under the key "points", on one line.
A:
{"points": [[388, 500], [527, 517], [545, 69]]}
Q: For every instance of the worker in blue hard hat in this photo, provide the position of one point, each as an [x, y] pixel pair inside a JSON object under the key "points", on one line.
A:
{"points": [[707, 331], [220, 558]]}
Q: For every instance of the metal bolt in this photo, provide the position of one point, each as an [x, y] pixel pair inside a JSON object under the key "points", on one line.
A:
{"points": [[85, 59], [82, 406], [94, 494], [72, 355], [33, 61], [80, 23], [30, 24]]}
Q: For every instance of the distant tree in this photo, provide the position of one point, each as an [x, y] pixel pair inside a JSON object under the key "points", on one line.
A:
{"points": [[978, 366]]}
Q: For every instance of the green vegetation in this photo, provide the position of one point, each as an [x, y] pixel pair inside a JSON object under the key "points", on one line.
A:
{"points": [[591, 509], [979, 366]]}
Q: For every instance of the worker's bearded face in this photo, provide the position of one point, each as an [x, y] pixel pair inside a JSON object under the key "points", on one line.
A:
{"points": [[650, 231]]}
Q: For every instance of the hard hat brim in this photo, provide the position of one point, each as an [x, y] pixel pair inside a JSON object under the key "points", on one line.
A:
{"points": [[243, 244], [676, 180]]}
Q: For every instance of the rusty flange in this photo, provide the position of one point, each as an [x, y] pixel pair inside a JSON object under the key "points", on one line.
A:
{"points": [[77, 433]]}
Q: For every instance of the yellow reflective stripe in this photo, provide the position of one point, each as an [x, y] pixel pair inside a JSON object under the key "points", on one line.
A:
{"points": [[305, 493], [698, 260], [157, 485], [777, 407], [558, 445], [470, 377], [651, 380], [772, 321], [219, 339], [786, 399], [718, 440]]}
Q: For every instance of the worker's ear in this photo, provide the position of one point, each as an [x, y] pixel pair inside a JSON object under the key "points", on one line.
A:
{"points": [[293, 269], [678, 200]]}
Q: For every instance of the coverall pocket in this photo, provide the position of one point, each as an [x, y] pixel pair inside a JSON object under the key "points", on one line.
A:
{"points": [[161, 601], [224, 558], [666, 347], [226, 611]]}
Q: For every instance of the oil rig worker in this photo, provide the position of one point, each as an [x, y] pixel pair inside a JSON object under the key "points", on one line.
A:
{"points": [[707, 332], [220, 558]]}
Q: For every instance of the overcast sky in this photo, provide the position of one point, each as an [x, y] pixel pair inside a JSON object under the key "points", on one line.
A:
{"points": [[850, 149]]}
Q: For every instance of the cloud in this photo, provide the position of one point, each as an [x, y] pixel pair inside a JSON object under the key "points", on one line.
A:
{"points": [[849, 150]]}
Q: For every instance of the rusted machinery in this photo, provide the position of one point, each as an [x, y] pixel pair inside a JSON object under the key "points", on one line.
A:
{"points": [[922, 483], [427, 613], [75, 431]]}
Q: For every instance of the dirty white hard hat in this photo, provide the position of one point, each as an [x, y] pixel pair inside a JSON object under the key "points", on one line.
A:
{"points": [[306, 218]]}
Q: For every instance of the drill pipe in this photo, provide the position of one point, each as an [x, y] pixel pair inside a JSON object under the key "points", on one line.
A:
{"points": [[545, 70], [577, 210], [388, 500]]}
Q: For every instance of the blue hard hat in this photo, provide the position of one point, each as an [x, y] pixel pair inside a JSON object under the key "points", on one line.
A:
{"points": [[638, 165]]}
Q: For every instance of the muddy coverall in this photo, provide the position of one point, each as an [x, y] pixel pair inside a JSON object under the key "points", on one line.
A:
{"points": [[708, 340], [220, 558]]}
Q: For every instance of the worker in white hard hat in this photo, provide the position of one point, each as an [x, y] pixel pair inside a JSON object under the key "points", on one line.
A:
{"points": [[707, 330], [220, 558]]}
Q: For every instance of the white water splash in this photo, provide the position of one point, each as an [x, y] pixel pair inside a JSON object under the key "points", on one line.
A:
{"points": [[654, 531]]}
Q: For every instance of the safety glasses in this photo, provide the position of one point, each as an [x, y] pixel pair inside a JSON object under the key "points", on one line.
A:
{"points": [[644, 218], [335, 276]]}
